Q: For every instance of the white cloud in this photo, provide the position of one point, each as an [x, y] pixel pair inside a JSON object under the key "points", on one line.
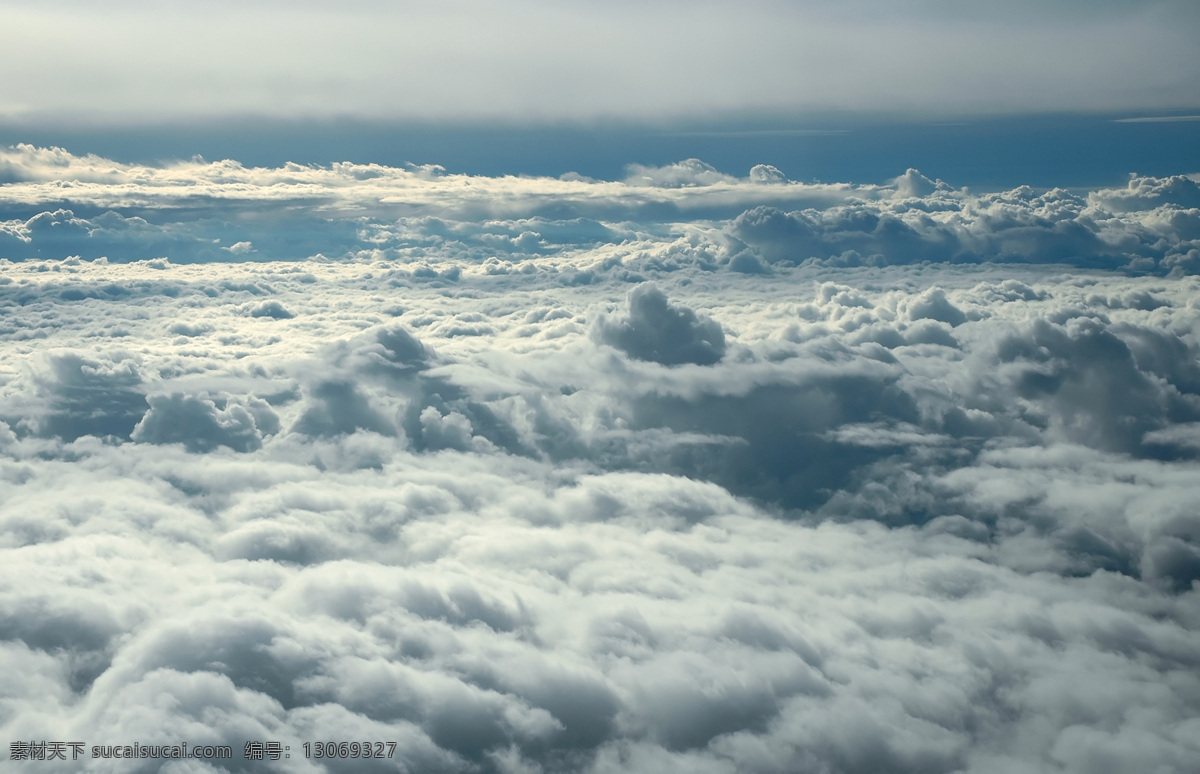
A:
{"points": [[509, 224], [522, 491]]}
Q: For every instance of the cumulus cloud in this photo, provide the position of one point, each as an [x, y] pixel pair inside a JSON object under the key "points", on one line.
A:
{"points": [[687, 173], [657, 330], [854, 478], [85, 396], [270, 308], [197, 423], [933, 305], [338, 408], [126, 212], [765, 173]]}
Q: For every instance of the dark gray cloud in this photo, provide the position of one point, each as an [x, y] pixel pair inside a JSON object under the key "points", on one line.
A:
{"points": [[772, 441], [1082, 382], [85, 396], [654, 329], [197, 423], [338, 408]]}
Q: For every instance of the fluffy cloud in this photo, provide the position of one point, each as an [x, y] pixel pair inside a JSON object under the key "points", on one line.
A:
{"points": [[521, 492], [1149, 227], [659, 331], [83, 396], [197, 423], [130, 212]]}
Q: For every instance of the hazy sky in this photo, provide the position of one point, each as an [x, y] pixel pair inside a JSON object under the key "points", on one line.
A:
{"points": [[531, 59]]}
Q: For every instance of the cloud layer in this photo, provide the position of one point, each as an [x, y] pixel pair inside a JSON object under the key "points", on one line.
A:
{"points": [[533, 59], [685, 472], [60, 205]]}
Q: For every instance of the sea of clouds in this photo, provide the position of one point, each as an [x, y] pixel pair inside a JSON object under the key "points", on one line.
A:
{"points": [[685, 472]]}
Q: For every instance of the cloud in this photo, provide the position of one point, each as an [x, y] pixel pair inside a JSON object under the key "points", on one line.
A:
{"points": [[915, 185], [338, 408], [1146, 193], [136, 212], [933, 305], [494, 64], [592, 476], [688, 173], [661, 332], [766, 174], [1089, 387], [197, 423], [84, 396], [270, 308]]}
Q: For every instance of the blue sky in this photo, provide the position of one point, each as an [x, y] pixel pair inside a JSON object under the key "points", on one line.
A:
{"points": [[985, 153]]}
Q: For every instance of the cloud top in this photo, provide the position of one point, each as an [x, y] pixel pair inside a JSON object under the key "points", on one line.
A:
{"points": [[90, 207]]}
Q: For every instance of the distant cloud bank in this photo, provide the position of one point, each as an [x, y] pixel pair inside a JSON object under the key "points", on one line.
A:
{"points": [[91, 207]]}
